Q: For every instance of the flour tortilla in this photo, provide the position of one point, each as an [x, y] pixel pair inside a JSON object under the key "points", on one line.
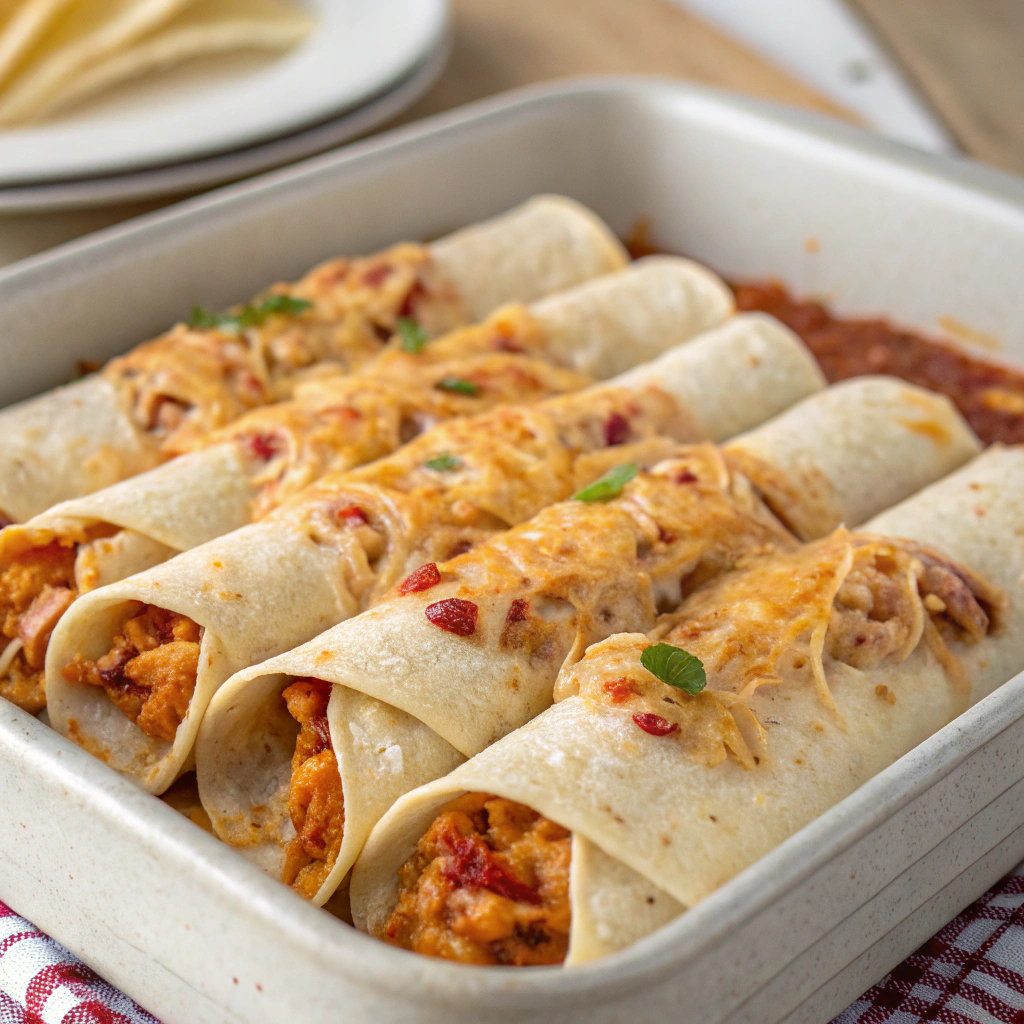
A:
{"points": [[248, 624], [583, 765], [546, 245], [468, 695], [602, 334], [815, 483], [975, 517], [68, 442], [78, 439], [204, 28], [86, 32], [22, 22]]}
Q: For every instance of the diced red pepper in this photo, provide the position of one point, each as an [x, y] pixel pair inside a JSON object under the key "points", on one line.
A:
{"points": [[620, 690], [616, 429], [377, 275], [425, 577], [472, 865], [518, 611], [320, 726], [262, 446], [500, 344], [415, 293], [654, 724], [686, 476], [453, 615], [353, 515]]}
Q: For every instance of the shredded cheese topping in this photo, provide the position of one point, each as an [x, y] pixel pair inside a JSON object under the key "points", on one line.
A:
{"points": [[858, 599]]}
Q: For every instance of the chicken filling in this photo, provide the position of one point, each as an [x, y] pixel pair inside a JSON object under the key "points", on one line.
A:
{"points": [[36, 588], [149, 672], [488, 884], [316, 804]]}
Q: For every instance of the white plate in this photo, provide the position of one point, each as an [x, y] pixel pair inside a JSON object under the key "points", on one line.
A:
{"points": [[196, 175], [358, 49]]}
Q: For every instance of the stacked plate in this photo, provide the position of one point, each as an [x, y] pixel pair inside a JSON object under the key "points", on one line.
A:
{"points": [[217, 119]]}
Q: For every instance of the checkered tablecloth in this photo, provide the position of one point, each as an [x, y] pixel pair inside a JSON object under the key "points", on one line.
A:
{"points": [[972, 972]]}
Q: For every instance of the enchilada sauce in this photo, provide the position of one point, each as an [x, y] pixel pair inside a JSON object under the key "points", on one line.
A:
{"points": [[990, 396]]}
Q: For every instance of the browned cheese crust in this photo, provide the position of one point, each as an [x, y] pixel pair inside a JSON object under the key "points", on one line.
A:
{"points": [[195, 379]]}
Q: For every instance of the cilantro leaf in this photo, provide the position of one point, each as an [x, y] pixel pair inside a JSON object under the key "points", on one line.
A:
{"points": [[458, 386], [203, 318], [610, 485], [248, 316], [675, 666], [413, 336], [444, 463]]}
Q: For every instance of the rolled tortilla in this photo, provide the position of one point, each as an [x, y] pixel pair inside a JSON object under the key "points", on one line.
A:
{"points": [[815, 483], [830, 689], [157, 400], [245, 470], [474, 652], [367, 529]]}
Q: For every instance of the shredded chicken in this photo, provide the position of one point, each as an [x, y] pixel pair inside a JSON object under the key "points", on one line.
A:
{"points": [[316, 803], [488, 884], [36, 588], [149, 672]]}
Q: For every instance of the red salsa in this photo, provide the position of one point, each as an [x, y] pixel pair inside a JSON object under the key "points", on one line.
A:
{"points": [[990, 396]]}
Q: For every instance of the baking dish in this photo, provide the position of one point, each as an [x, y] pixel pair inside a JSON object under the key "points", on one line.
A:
{"points": [[195, 933]]}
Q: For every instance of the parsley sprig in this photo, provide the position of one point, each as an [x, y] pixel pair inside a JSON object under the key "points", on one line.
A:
{"points": [[412, 336], [252, 315], [444, 463], [458, 386], [674, 666], [610, 485]]}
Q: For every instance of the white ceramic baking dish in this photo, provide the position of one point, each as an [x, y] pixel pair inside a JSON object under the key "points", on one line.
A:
{"points": [[198, 935]]}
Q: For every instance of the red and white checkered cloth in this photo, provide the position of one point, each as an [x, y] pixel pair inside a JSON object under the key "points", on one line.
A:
{"points": [[42, 983], [972, 972]]}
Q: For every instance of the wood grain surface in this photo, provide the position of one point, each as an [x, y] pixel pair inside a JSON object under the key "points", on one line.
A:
{"points": [[967, 59], [504, 44]]}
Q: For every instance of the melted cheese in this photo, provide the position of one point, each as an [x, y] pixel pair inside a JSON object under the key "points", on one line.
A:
{"points": [[859, 599], [191, 381], [346, 421], [506, 465]]}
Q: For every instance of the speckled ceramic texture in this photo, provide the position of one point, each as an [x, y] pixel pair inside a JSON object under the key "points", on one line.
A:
{"points": [[197, 934]]}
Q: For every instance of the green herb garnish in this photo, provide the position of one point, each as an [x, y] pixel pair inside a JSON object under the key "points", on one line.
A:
{"points": [[444, 463], [413, 336], [676, 667], [610, 485], [458, 385], [248, 316]]}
